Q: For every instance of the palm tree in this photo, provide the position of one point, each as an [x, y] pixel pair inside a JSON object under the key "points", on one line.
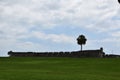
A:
{"points": [[119, 1], [81, 40]]}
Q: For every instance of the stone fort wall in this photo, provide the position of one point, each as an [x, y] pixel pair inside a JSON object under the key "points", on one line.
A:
{"points": [[85, 53]]}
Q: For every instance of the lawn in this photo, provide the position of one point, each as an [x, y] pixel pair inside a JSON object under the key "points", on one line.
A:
{"points": [[36, 68]]}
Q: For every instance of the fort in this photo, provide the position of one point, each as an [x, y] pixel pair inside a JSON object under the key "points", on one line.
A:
{"points": [[85, 53]]}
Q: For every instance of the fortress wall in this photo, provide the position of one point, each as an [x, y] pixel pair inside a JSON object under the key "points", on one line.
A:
{"points": [[85, 53]]}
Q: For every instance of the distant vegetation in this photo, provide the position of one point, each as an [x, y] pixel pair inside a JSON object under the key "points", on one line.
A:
{"points": [[59, 68]]}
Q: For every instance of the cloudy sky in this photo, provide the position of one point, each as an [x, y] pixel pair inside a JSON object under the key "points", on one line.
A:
{"points": [[54, 25]]}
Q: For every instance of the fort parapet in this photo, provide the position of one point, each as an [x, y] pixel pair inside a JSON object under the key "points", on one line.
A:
{"points": [[85, 53]]}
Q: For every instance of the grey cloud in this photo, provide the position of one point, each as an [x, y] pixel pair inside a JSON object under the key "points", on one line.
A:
{"points": [[56, 12]]}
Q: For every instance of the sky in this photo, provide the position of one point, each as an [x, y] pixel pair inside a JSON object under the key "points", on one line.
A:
{"points": [[54, 25]]}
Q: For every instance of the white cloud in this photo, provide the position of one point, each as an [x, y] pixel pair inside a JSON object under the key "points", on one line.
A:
{"points": [[60, 38], [28, 46], [12, 32], [116, 34], [86, 13]]}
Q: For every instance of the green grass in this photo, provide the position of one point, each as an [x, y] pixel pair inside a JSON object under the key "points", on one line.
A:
{"points": [[36, 68]]}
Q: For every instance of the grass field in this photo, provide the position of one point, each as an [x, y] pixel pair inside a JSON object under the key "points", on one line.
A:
{"points": [[59, 68]]}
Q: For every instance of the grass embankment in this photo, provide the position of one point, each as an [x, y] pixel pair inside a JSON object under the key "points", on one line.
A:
{"points": [[59, 68]]}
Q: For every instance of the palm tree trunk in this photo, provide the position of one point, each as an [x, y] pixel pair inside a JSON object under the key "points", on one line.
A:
{"points": [[81, 47]]}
